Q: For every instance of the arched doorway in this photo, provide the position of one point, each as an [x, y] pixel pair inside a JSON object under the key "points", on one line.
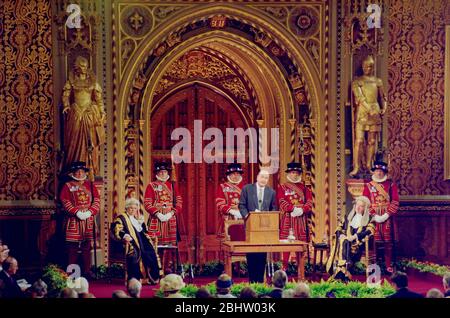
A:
{"points": [[188, 107], [277, 81]]}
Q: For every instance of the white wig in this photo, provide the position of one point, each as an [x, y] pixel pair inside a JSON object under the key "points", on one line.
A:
{"points": [[131, 201], [366, 216]]}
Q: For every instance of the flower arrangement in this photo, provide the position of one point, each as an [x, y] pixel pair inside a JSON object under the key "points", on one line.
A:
{"points": [[55, 278]]}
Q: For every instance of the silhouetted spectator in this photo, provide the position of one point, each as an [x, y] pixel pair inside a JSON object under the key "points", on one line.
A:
{"points": [[171, 285], [435, 293], [39, 289], [446, 283], [134, 288], [223, 285], [400, 281], [203, 292], [248, 293], [287, 293], [120, 294], [301, 291], [68, 293], [8, 284], [4, 253], [279, 282]]}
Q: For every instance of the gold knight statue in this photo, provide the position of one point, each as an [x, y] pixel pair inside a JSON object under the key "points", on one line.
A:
{"points": [[367, 116]]}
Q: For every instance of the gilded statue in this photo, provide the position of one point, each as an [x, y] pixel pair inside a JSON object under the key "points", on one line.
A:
{"points": [[367, 116], [84, 116]]}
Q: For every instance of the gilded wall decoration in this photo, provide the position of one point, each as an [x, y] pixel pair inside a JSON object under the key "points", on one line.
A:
{"points": [[279, 13], [198, 64], [26, 101], [73, 42], [416, 96], [136, 21], [447, 95], [234, 26], [357, 32], [305, 21]]}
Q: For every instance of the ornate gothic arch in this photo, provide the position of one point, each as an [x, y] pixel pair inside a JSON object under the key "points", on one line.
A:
{"points": [[276, 89]]}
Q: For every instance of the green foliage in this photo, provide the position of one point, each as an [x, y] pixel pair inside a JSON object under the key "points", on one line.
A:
{"points": [[243, 269], [323, 289], [115, 270], [55, 278], [352, 289], [428, 267], [358, 268], [212, 268]]}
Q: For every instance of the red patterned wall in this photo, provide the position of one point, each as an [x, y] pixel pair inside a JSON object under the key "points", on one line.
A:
{"points": [[26, 101], [416, 125], [416, 81], [416, 96]]}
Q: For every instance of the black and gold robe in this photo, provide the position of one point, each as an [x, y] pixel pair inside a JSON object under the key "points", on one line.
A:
{"points": [[345, 253], [141, 253]]}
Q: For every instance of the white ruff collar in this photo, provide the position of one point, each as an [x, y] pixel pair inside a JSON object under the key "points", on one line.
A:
{"points": [[356, 221], [79, 179], [136, 224], [162, 179], [379, 180], [237, 182], [292, 181]]}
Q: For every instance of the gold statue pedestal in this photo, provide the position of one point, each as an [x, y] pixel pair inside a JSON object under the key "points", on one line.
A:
{"points": [[355, 187]]}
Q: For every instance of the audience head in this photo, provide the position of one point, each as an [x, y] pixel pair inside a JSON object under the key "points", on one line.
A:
{"points": [[68, 293], [280, 279], [171, 284], [4, 252], [134, 288], [39, 289], [400, 280], [301, 291], [247, 293], [81, 285], [10, 265], [203, 292], [223, 284], [435, 293], [287, 293], [446, 281], [119, 294]]}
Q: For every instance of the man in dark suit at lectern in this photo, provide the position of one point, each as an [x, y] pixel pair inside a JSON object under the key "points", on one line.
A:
{"points": [[257, 197]]}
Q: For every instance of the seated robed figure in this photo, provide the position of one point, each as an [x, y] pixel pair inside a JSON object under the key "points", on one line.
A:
{"points": [[349, 240], [140, 249]]}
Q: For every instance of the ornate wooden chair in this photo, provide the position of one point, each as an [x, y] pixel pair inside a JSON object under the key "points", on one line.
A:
{"points": [[235, 231]]}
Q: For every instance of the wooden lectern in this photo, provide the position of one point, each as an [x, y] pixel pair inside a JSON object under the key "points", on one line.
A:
{"points": [[262, 236], [262, 227]]}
